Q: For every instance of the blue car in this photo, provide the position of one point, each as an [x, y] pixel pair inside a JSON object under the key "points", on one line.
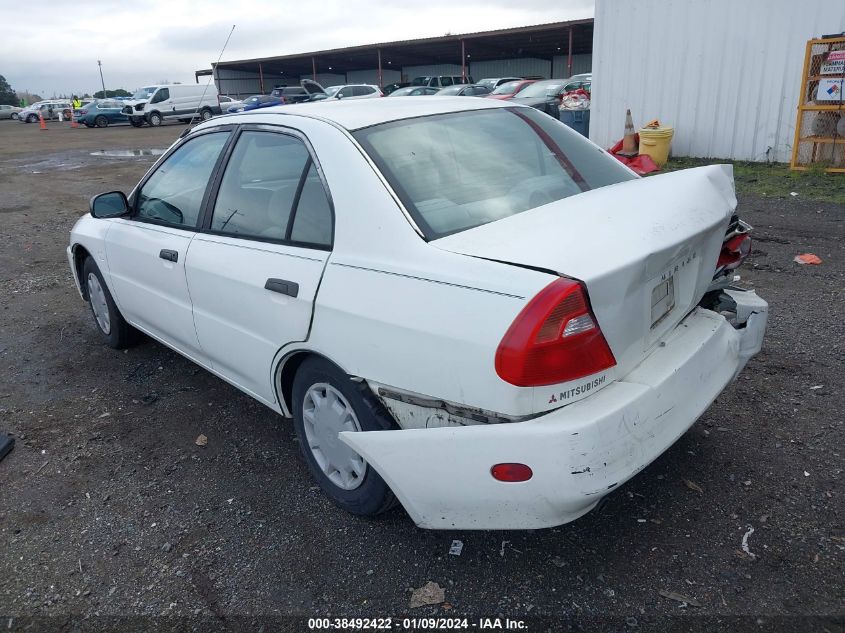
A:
{"points": [[101, 113], [257, 101]]}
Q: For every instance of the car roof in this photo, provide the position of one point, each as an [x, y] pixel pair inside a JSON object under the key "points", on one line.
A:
{"points": [[355, 114]]}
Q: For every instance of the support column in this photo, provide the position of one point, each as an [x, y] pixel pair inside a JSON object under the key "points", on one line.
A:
{"points": [[569, 59], [313, 68], [260, 78], [463, 62], [380, 75]]}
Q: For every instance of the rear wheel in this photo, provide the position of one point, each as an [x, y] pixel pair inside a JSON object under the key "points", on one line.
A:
{"points": [[31, 118], [155, 119], [325, 403], [101, 121], [67, 114], [14, 116], [205, 114], [115, 331]]}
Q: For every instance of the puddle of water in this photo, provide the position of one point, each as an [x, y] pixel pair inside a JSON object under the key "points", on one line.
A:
{"points": [[127, 153]]}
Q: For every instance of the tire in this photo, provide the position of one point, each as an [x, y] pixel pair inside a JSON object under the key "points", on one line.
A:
{"points": [[155, 119], [67, 115], [365, 494], [14, 116], [113, 329], [206, 114], [136, 122], [101, 121], [31, 118]]}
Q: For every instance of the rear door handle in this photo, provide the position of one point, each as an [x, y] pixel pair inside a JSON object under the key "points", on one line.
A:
{"points": [[171, 256], [289, 288]]}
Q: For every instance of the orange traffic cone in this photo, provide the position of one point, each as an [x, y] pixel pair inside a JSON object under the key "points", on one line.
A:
{"points": [[41, 122], [629, 142], [73, 122]]}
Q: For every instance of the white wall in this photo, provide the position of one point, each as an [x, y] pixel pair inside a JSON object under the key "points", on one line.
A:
{"points": [[724, 73]]}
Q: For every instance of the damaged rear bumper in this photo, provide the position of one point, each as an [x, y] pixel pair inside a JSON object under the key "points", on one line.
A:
{"points": [[578, 453]]}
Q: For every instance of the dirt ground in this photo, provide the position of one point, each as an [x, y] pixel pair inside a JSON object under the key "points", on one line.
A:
{"points": [[108, 508]]}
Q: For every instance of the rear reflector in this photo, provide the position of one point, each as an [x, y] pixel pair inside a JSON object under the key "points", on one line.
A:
{"points": [[555, 338], [511, 472]]}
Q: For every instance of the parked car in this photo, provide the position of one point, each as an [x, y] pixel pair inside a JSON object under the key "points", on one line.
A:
{"points": [[255, 102], [441, 81], [49, 109], [452, 301], [305, 91], [493, 83], [101, 113], [394, 86], [227, 102], [9, 112], [464, 90], [154, 105], [543, 95], [353, 91], [583, 81], [414, 91], [509, 89]]}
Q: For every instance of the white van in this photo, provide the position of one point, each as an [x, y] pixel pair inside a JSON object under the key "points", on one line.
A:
{"points": [[155, 104]]}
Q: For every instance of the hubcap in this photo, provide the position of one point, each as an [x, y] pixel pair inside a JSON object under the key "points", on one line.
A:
{"points": [[325, 413], [98, 303]]}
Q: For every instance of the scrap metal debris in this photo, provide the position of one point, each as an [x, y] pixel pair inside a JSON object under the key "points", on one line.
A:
{"points": [[745, 542], [679, 597], [456, 548], [429, 593]]}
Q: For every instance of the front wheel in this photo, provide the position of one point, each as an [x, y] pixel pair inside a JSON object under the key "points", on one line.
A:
{"points": [[101, 121], [155, 119], [325, 403], [31, 118], [15, 116], [114, 330]]}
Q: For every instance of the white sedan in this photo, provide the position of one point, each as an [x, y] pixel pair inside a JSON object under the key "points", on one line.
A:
{"points": [[462, 304]]}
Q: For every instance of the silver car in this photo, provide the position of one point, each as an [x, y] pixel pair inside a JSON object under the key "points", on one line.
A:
{"points": [[9, 112], [49, 110]]}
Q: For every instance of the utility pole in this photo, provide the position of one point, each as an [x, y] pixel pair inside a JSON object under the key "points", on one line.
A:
{"points": [[102, 81]]}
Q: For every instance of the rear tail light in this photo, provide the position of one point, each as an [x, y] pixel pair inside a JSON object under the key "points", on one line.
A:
{"points": [[511, 472], [555, 338], [734, 251]]}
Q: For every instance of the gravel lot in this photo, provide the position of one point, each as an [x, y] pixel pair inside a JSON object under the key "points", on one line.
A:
{"points": [[109, 508]]}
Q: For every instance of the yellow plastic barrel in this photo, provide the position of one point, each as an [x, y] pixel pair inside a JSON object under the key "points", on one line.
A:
{"points": [[655, 140]]}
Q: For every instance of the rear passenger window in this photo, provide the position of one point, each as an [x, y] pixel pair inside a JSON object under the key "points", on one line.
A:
{"points": [[445, 81], [269, 180], [361, 91], [312, 222]]}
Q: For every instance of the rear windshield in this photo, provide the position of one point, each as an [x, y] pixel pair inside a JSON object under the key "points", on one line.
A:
{"points": [[461, 170], [507, 88]]}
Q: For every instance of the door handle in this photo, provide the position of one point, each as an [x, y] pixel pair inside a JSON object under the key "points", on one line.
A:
{"points": [[171, 256], [290, 288]]}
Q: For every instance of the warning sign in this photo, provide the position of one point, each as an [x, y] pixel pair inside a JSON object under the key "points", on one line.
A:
{"points": [[834, 64], [830, 89]]}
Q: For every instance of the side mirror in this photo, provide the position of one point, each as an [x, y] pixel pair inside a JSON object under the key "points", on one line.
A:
{"points": [[109, 205]]}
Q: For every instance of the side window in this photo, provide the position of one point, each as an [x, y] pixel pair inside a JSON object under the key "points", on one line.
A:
{"points": [[346, 92], [260, 186], [162, 95], [312, 221], [173, 194], [446, 81]]}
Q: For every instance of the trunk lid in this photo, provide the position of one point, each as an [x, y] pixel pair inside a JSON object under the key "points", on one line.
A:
{"points": [[646, 250]]}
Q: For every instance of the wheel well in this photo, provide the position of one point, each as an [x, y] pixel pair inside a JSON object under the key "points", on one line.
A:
{"points": [[80, 254], [289, 366]]}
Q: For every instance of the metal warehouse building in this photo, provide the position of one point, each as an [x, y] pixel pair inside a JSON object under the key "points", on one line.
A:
{"points": [[560, 49], [726, 74]]}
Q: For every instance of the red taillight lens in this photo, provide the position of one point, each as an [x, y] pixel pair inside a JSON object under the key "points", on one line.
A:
{"points": [[734, 251], [554, 339], [83, 112], [511, 472]]}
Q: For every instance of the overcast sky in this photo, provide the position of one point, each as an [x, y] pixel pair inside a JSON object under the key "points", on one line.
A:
{"points": [[52, 47]]}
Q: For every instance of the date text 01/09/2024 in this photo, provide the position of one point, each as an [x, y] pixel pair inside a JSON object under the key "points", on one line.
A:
{"points": [[415, 624]]}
